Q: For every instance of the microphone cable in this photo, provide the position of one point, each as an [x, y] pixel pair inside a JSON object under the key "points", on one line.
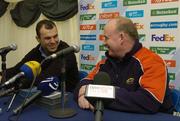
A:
{"points": [[26, 97]]}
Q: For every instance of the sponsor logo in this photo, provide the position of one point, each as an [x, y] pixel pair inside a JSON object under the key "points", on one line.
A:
{"points": [[170, 63], [87, 66], [162, 12], [87, 17], [142, 37], [134, 2], [102, 48], [164, 50], [101, 37], [87, 57], [163, 1], [167, 24], [139, 26], [87, 7], [88, 37], [164, 37], [135, 14], [172, 76], [108, 15], [103, 57], [88, 27], [101, 26], [110, 4], [88, 47], [130, 81]]}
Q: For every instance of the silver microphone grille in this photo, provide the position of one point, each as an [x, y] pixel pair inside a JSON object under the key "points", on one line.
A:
{"points": [[13, 46], [76, 48]]}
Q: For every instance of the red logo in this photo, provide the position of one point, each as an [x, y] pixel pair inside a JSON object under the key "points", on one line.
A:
{"points": [[88, 27], [170, 63], [108, 15]]}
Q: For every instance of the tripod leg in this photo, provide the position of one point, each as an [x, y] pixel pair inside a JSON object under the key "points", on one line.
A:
{"points": [[10, 104]]}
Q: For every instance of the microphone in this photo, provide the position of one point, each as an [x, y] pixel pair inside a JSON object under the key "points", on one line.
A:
{"points": [[5, 50], [3, 93], [48, 85], [13, 89], [27, 101], [30, 70], [45, 87], [63, 52], [98, 91]]}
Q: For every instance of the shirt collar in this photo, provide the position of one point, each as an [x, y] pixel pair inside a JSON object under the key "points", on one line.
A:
{"points": [[42, 52]]}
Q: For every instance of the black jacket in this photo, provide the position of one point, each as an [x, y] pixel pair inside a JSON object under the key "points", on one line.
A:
{"points": [[50, 68]]}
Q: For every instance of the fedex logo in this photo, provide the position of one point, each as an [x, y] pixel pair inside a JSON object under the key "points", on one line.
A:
{"points": [[87, 7], [139, 26], [87, 57], [164, 37]]}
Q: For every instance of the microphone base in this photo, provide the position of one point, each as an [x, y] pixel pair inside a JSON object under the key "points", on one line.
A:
{"points": [[62, 113]]}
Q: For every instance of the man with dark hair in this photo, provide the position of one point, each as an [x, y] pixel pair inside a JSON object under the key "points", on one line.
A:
{"points": [[49, 43], [140, 76]]}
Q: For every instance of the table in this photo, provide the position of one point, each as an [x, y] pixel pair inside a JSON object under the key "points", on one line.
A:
{"points": [[37, 113]]}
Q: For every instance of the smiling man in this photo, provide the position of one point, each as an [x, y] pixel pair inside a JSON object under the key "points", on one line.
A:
{"points": [[140, 76], [49, 42]]}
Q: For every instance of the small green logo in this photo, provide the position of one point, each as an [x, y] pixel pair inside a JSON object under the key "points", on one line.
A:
{"points": [[87, 17], [172, 76], [101, 26], [134, 2], [130, 81], [163, 50], [102, 48], [164, 12], [87, 66]]}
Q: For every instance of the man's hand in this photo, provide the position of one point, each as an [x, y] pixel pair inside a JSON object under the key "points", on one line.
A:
{"points": [[82, 101]]}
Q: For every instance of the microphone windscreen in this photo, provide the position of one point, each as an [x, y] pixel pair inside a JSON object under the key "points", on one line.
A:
{"points": [[13, 46], [102, 78], [31, 69], [49, 85]]}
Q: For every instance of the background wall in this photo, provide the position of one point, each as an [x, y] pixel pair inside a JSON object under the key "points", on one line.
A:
{"points": [[157, 22], [25, 37]]}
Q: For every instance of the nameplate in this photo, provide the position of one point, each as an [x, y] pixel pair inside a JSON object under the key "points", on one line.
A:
{"points": [[100, 91]]}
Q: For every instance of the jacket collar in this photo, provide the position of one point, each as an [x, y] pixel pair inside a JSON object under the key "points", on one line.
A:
{"points": [[137, 46]]}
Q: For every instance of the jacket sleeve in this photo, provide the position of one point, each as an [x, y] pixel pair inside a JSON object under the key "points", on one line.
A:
{"points": [[88, 80]]}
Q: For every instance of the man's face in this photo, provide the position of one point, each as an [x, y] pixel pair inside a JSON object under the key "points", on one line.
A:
{"points": [[112, 40], [49, 39]]}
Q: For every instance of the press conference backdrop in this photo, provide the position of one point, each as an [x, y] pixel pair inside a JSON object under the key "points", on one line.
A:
{"points": [[157, 22]]}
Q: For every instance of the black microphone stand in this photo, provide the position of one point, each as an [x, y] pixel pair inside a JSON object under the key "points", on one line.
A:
{"points": [[99, 108], [62, 112], [3, 66]]}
